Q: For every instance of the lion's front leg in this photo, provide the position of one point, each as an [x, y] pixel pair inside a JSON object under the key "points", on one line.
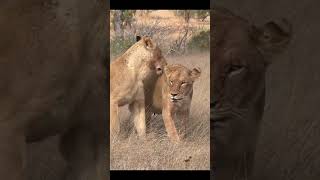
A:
{"points": [[138, 113], [183, 118], [12, 152], [114, 119], [169, 123], [148, 119]]}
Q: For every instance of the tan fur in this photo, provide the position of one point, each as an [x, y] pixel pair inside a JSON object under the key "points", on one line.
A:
{"points": [[127, 74], [174, 111]]}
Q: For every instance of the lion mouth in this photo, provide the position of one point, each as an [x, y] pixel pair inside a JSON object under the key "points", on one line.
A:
{"points": [[174, 99], [159, 72]]}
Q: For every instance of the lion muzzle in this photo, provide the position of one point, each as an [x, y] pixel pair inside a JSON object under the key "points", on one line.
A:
{"points": [[174, 98]]}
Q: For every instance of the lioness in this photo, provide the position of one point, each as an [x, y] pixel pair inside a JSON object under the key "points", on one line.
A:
{"points": [[172, 97], [242, 53], [127, 74], [52, 83]]}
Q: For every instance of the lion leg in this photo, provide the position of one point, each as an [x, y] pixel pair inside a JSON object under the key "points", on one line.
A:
{"points": [[183, 117], [84, 146], [84, 149], [138, 116], [79, 148], [137, 109], [148, 121], [12, 153], [170, 125], [114, 119], [148, 110]]}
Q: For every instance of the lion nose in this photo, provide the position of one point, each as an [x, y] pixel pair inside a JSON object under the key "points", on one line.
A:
{"points": [[159, 70], [174, 94]]}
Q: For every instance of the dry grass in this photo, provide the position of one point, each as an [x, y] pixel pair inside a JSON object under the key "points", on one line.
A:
{"points": [[157, 152]]}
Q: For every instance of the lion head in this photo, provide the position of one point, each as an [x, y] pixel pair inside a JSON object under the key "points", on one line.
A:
{"points": [[154, 59], [241, 54], [179, 80]]}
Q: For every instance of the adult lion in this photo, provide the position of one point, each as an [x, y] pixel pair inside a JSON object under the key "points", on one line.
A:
{"points": [[241, 55], [172, 97], [52, 82], [127, 74]]}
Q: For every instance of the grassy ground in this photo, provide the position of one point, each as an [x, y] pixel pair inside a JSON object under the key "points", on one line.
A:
{"points": [[157, 152]]}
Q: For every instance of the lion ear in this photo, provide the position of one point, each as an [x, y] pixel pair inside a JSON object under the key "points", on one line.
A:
{"points": [[273, 37], [195, 73], [148, 43]]}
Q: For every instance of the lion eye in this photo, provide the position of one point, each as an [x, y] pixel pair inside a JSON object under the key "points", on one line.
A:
{"points": [[235, 69], [171, 82]]}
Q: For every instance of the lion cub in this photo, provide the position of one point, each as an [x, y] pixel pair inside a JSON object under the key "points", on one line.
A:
{"points": [[172, 97], [127, 74]]}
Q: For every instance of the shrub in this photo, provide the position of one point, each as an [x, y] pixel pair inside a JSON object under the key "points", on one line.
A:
{"points": [[119, 45], [200, 41], [199, 14]]}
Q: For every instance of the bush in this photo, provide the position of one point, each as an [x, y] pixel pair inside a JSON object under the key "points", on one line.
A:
{"points": [[199, 14], [127, 15], [202, 14], [200, 41], [119, 45]]}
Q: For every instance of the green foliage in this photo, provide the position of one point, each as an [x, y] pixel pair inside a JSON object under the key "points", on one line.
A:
{"points": [[127, 15], [200, 41], [119, 45], [202, 14]]}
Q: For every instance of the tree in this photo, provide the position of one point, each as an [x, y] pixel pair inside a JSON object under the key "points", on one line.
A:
{"points": [[202, 14], [122, 19], [186, 14], [117, 23]]}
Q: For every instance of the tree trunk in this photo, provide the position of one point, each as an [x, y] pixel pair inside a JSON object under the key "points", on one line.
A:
{"points": [[117, 23]]}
